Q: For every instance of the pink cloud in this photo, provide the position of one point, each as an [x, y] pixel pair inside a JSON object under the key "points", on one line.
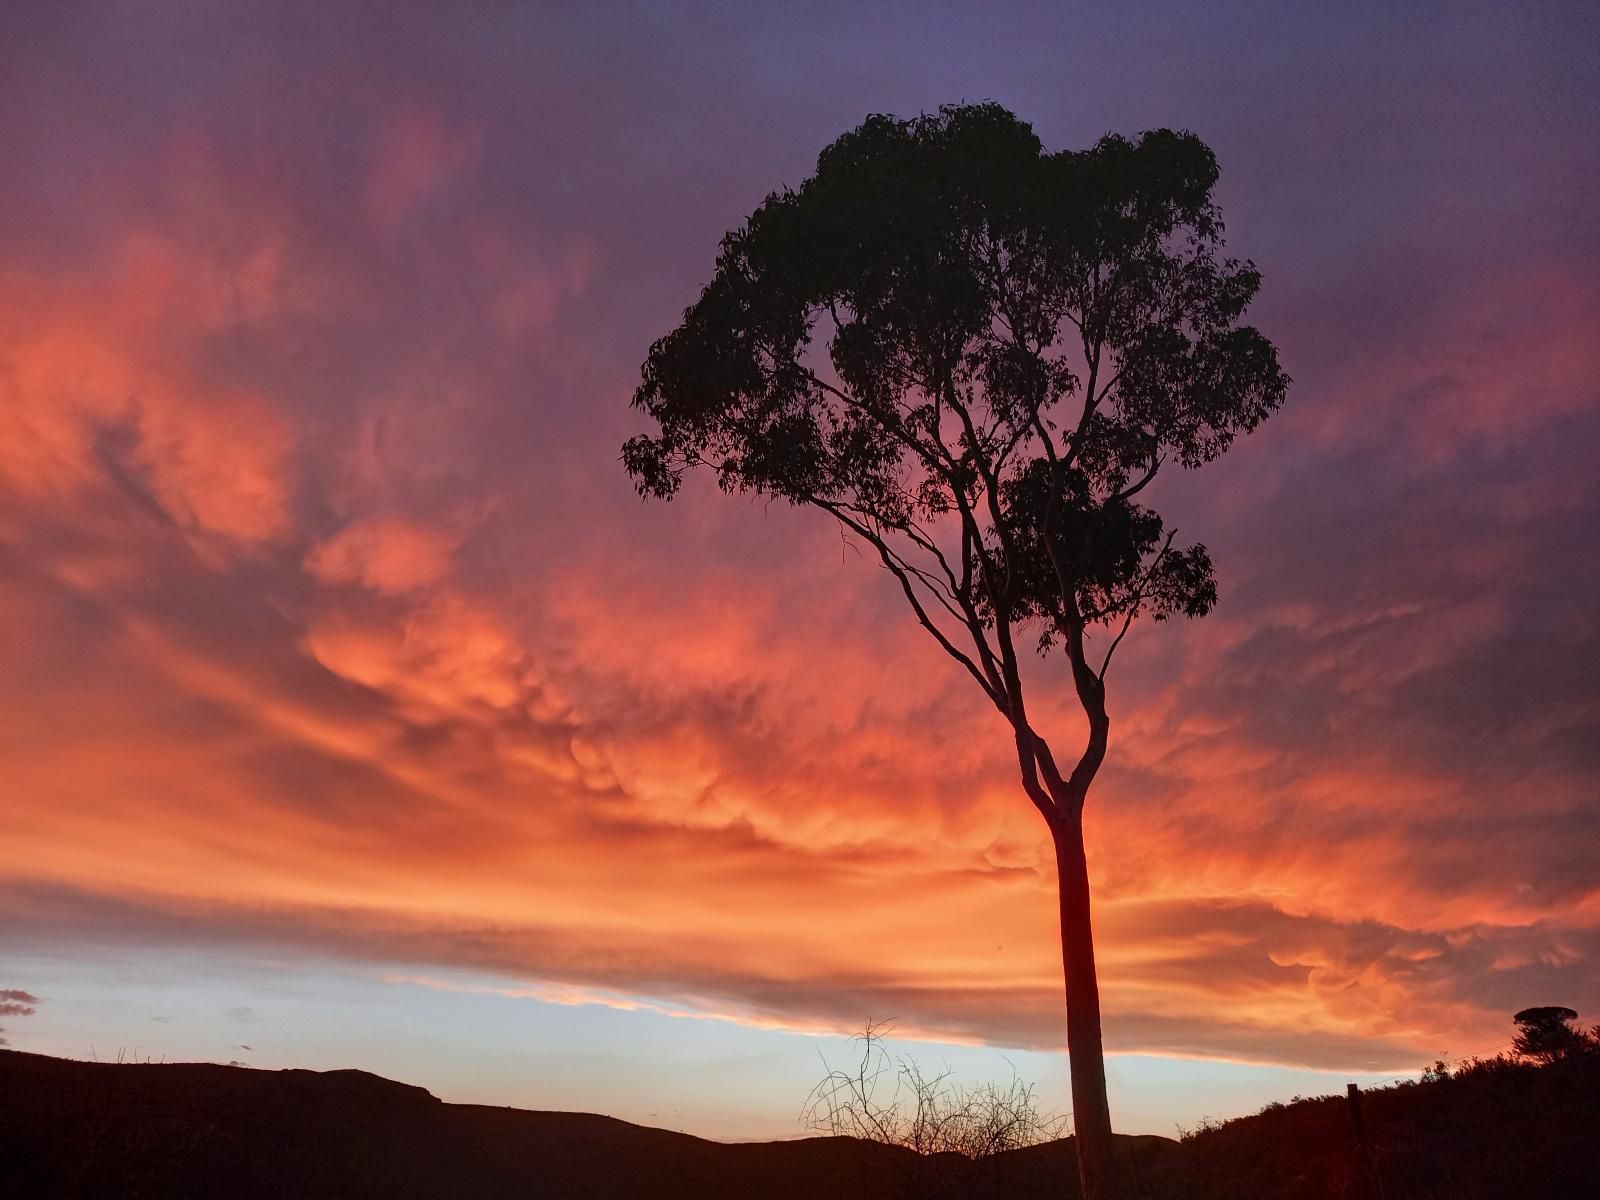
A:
{"points": [[317, 559], [387, 554], [415, 155]]}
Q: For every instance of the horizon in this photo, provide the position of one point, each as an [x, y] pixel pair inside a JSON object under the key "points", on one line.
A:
{"points": [[354, 711]]}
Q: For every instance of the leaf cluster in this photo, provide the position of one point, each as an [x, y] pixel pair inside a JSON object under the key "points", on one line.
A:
{"points": [[948, 334]]}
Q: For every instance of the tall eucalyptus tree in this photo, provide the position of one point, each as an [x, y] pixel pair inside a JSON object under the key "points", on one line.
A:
{"points": [[975, 356]]}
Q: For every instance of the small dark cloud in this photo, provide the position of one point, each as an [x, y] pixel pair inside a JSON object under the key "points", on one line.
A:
{"points": [[243, 1012], [14, 1002]]}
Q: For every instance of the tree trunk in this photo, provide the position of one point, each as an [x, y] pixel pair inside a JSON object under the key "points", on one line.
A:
{"points": [[1091, 1115]]}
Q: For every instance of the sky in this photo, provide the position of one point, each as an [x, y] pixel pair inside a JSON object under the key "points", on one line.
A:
{"points": [[355, 712]]}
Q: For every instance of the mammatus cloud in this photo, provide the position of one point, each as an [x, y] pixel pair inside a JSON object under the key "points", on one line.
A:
{"points": [[384, 554], [333, 625]]}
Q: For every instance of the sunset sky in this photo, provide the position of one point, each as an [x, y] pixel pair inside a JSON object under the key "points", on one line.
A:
{"points": [[355, 712]]}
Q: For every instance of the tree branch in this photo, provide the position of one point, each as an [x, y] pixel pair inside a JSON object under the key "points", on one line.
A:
{"points": [[904, 574], [1133, 605]]}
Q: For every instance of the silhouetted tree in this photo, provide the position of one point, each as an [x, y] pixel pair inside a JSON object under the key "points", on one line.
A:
{"points": [[1546, 1034], [976, 356]]}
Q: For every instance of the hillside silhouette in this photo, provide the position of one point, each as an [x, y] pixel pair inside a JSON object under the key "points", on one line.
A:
{"points": [[1498, 1128], [145, 1130]]}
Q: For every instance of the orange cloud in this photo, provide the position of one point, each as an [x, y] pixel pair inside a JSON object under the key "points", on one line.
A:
{"points": [[332, 625], [386, 554], [101, 362]]}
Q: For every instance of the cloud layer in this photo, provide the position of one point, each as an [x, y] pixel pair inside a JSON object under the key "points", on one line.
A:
{"points": [[332, 622]]}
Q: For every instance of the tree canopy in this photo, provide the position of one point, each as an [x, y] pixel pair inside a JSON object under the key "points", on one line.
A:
{"points": [[976, 355], [1546, 1033]]}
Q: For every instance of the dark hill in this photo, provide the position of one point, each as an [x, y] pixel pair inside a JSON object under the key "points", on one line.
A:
{"points": [[1498, 1130], [174, 1131]]}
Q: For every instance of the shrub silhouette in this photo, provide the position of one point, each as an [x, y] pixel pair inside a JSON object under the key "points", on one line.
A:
{"points": [[1546, 1034], [892, 1100]]}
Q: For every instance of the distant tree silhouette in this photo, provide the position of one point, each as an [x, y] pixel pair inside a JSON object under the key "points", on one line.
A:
{"points": [[1546, 1034], [976, 356]]}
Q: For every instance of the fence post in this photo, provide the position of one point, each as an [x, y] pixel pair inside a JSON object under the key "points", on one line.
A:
{"points": [[1366, 1176]]}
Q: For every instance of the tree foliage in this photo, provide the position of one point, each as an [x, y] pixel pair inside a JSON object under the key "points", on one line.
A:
{"points": [[976, 356], [1546, 1033]]}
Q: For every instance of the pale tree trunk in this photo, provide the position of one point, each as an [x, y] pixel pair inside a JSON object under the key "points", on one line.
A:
{"points": [[1091, 1114]]}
